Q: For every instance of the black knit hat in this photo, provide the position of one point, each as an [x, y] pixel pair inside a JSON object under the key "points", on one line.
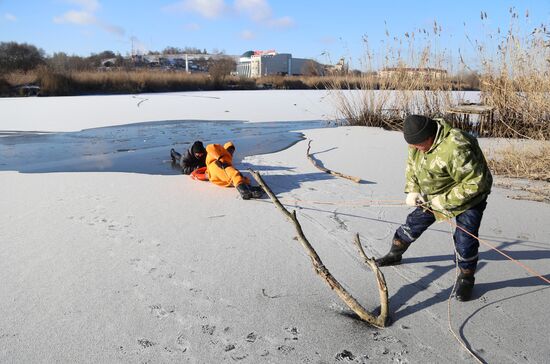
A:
{"points": [[197, 147], [418, 128]]}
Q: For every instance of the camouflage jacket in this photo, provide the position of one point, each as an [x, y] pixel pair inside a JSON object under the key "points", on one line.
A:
{"points": [[454, 170]]}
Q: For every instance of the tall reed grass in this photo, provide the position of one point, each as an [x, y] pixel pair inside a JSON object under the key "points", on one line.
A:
{"points": [[395, 84], [55, 83], [532, 163], [514, 81]]}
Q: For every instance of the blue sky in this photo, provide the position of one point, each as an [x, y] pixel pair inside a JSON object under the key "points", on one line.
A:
{"points": [[323, 30]]}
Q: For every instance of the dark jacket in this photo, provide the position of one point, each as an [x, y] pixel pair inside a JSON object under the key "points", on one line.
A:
{"points": [[189, 162]]}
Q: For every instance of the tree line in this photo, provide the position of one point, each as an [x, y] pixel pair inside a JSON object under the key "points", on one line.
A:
{"points": [[24, 57]]}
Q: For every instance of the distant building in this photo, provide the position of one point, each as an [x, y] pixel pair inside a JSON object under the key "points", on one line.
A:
{"points": [[110, 62], [427, 73], [188, 62], [340, 67], [265, 63]]}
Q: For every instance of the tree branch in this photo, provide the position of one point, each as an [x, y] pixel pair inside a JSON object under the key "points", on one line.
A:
{"points": [[326, 170], [320, 269]]}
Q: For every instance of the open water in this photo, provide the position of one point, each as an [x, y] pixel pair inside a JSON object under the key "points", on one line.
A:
{"points": [[141, 147]]}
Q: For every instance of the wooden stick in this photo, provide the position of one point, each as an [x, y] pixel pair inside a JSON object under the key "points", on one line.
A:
{"points": [[320, 269], [382, 287], [326, 170]]}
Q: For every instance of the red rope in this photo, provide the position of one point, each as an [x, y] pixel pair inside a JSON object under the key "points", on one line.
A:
{"points": [[525, 267], [368, 202]]}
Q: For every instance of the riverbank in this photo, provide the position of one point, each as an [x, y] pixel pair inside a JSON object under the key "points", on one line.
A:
{"points": [[46, 82]]}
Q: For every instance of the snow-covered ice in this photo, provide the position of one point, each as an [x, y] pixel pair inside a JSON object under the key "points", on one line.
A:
{"points": [[122, 267]]}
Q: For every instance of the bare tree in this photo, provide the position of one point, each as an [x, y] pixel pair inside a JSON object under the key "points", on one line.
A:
{"points": [[172, 50], [19, 57], [61, 62], [192, 50], [468, 80], [220, 68]]}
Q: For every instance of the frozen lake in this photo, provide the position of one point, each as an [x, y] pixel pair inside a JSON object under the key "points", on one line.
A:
{"points": [[140, 147], [134, 133], [148, 267]]}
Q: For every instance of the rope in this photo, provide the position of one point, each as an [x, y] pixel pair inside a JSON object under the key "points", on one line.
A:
{"points": [[528, 269], [533, 272], [359, 203], [449, 316], [400, 203]]}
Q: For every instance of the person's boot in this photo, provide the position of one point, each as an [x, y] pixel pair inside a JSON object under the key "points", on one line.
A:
{"points": [[257, 191], [465, 284], [397, 249], [175, 156], [245, 192]]}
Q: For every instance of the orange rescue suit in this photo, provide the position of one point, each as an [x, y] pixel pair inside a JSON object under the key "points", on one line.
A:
{"points": [[224, 177]]}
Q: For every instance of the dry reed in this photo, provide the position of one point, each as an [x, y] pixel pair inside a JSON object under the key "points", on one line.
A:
{"points": [[20, 78], [411, 83], [514, 81], [150, 80], [54, 83], [529, 163]]}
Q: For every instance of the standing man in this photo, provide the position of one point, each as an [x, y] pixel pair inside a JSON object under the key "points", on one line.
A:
{"points": [[447, 172]]}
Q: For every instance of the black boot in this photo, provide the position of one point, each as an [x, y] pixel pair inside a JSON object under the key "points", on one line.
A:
{"points": [[257, 191], [245, 192], [175, 156], [465, 285], [397, 249]]}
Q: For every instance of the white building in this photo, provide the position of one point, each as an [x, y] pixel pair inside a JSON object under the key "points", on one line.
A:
{"points": [[189, 62], [340, 67], [264, 63]]}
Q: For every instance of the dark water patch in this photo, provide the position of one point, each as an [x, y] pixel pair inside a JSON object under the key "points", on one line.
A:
{"points": [[141, 147]]}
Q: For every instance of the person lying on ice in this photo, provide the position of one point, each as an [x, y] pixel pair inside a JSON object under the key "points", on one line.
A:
{"points": [[194, 159], [446, 172], [220, 170]]}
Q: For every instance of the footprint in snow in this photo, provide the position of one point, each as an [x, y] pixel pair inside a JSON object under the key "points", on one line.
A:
{"points": [[182, 343], [208, 329], [229, 347], [240, 356], [293, 331], [345, 355], [161, 312], [285, 349], [144, 343]]}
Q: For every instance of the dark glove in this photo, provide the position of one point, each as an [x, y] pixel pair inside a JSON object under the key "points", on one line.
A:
{"points": [[221, 164]]}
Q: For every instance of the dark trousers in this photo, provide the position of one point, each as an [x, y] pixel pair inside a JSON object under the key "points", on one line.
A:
{"points": [[466, 246], [176, 157]]}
